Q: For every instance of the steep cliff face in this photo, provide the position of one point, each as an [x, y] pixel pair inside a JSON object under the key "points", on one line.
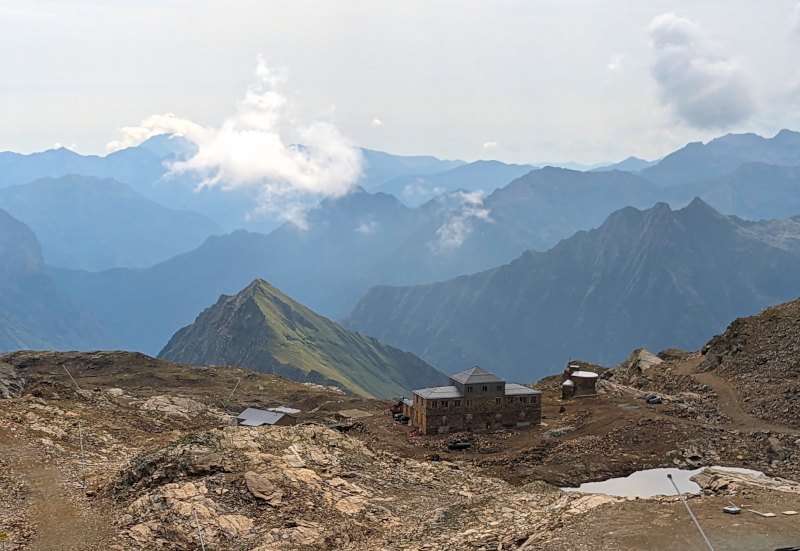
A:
{"points": [[263, 329]]}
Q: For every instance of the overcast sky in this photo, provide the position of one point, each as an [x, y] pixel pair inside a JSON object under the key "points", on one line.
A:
{"points": [[521, 81]]}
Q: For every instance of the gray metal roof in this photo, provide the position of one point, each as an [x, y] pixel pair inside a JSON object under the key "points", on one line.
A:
{"points": [[513, 389], [408, 402], [475, 375], [284, 409], [439, 392], [252, 417]]}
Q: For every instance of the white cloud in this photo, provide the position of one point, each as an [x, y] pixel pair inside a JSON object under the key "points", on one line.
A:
{"points": [[377, 122], [489, 145], [421, 188], [253, 149], [367, 228], [459, 225], [615, 63], [153, 126], [794, 20], [698, 81]]}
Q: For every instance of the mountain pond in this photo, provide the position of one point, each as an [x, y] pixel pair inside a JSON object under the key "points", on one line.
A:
{"points": [[650, 482]]}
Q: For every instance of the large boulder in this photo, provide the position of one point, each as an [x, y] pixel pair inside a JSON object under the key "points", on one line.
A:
{"points": [[12, 381], [635, 367]]}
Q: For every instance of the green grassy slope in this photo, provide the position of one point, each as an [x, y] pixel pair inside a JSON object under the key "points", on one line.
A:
{"points": [[265, 330]]}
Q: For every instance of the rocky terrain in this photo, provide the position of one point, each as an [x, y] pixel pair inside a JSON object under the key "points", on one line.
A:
{"points": [[760, 357], [158, 449]]}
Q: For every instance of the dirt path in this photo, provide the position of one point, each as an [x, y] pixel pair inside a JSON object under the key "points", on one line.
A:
{"points": [[53, 504], [729, 403]]}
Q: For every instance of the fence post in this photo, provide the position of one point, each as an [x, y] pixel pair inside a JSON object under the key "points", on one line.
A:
{"points": [[83, 460], [199, 532]]}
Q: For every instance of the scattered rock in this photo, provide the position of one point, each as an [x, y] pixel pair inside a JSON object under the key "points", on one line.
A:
{"points": [[12, 381], [263, 488]]}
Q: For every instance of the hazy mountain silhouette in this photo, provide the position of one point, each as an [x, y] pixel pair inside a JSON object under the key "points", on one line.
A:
{"points": [[87, 223], [484, 176], [34, 313], [697, 161]]}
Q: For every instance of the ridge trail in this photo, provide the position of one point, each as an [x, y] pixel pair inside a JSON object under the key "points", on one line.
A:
{"points": [[729, 402]]}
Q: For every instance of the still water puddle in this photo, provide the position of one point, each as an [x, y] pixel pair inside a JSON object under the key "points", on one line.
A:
{"points": [[649, 483]]}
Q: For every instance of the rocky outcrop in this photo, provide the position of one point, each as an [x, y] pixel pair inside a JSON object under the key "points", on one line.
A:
{"points": [[12, 381], [727, 481], [635, 366], [174, 406], [311, 487]]}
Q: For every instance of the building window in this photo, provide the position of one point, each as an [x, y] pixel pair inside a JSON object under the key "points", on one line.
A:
{"points": [[498, 401], [443, 404], [523, 399], [499, 388], [469, 402], [486, 389], [469, 389], [444, 420], [457, 403]]}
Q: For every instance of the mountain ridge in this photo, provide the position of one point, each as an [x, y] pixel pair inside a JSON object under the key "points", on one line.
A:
{"points": [[263, 329], [658, 278]]}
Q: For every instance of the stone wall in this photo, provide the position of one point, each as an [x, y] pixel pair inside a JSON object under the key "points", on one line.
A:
{"points": [[477, 414]]}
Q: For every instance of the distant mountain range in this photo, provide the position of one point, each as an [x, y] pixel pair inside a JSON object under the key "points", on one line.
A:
{"points": [[631, 164], [92, 224], [697, 162], [362, 239], [34, 313], [656, 278], [483, 176], [144, 168], [263, 329], [380, 167]]}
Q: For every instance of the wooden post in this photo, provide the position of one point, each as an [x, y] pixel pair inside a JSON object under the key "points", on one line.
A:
{"points": [[83, 460]]}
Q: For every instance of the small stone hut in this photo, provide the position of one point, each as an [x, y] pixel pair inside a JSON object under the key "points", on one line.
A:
{"points": [[577, 383]]}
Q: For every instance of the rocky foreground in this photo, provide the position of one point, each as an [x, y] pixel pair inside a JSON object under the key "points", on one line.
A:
{"points": [[160, 465]]}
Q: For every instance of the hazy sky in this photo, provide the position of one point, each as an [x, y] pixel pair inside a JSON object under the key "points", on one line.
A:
{"points": [[521, 81]]}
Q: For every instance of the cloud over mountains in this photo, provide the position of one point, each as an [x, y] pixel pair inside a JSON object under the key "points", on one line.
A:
{"points": [[257, 148], [696, 79]]}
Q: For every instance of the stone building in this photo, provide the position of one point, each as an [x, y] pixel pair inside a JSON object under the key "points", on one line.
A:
{"points": [[577, 383], [475, 400]]}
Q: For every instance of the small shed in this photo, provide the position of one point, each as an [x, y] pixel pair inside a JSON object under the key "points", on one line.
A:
{"points": [[252, 417], [577, 383]]}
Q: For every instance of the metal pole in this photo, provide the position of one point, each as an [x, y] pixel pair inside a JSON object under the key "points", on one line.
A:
{"points": [[83, 460], [199, 532], [70, 376], [680, 495], [225, 405]]}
